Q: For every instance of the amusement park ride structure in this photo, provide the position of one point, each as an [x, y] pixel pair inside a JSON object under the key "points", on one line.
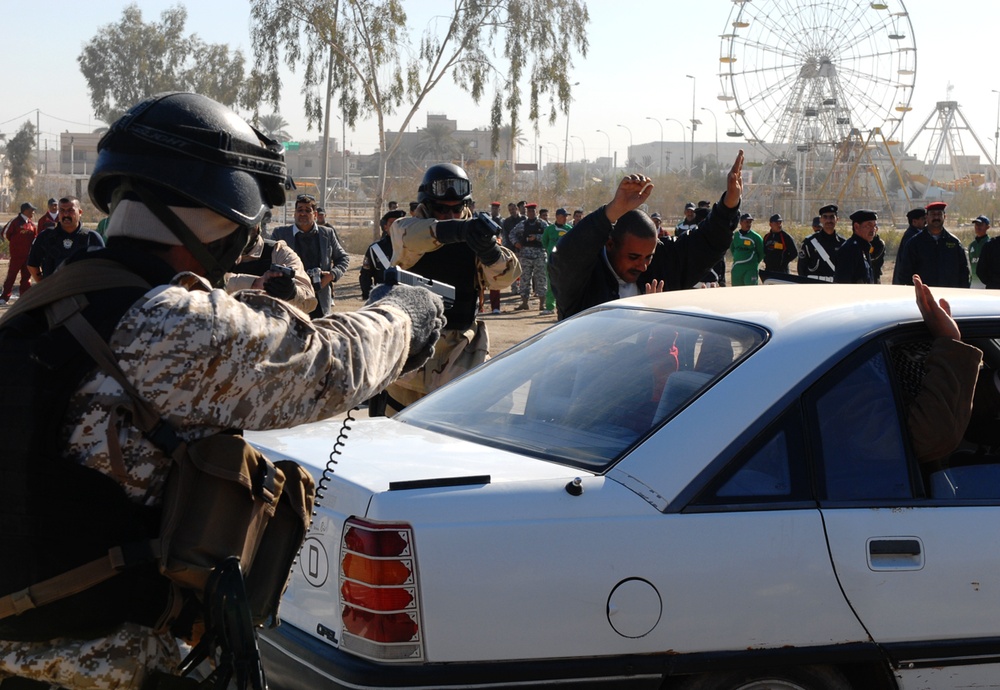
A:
{"points": [[822, 86]]}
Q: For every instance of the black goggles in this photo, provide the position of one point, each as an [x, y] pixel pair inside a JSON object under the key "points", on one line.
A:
{"points": [[449, 188]]}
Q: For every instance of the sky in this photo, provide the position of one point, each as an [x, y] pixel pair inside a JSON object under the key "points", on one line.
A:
{"points": [[633, 81]]}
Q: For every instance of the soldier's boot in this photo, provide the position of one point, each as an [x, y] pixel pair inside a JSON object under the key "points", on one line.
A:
{"points": [[523, 306]]}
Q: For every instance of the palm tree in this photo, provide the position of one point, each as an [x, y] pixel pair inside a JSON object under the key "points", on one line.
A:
{"points": [[436, 142], [273, 125], [509, 138]]}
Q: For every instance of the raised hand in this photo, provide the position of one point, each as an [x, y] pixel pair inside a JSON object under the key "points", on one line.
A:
{"points": [[632, 193], [734, 183]]}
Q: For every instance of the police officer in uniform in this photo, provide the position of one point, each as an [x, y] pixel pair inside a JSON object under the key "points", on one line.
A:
{"points": [[817, 255], [917, 220], [936, 255], [527, 240], [854, 256]]}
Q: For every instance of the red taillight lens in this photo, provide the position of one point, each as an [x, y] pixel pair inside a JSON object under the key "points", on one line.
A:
{"points": [[385, 541], [379, 627], [378, 590], [377, 598], [375, 572]]}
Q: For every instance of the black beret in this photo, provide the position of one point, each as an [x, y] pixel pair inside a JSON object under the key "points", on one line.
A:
{"points": [[829, 208], [863, 216], [916, 213]]}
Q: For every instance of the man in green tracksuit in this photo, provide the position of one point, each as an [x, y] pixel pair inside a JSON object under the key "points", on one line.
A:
{"points": [[748, 251], [550, 237]]}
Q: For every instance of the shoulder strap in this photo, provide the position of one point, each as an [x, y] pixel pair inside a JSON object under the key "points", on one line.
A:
{"points": [[822, 252], [75, 279]]}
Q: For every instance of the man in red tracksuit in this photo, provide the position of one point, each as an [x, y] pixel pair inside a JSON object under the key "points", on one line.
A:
{"points": [[20, 233]]}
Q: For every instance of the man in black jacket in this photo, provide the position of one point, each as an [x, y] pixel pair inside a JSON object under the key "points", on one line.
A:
{"points": [[613, 252], [936, 255]]}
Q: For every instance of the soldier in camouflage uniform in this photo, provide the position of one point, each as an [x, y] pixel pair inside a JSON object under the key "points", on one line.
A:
{"points": [[527, 239], [187, 179], [444, 242]]}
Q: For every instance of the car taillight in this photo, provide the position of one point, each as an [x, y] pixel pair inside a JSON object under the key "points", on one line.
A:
{"points": [[378, 591]]}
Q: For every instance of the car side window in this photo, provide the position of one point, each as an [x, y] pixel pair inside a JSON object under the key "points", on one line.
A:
{"points": [[772, 468], [859, 435]]}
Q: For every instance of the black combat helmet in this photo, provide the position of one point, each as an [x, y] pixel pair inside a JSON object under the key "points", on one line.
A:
{"points": [[196, 149], [186, 150], [444, 182]]}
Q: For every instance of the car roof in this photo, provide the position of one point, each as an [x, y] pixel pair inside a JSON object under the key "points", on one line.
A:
{"points": [[841, 312], [812, 327]]}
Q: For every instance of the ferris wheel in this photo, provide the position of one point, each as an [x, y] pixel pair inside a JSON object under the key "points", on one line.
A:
{"points": [[804, 74]]}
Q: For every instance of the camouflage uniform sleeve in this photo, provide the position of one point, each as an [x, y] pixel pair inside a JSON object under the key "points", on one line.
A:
{"points": [[210, 360], [305, 296], [517, 234], [411, 239], [414, 237], [502, 273]]}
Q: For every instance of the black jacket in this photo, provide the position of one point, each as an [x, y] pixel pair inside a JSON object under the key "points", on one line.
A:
{"points": [[779, 251], [811, 261], [939, 262], [854, 262], [897, 271], [581, 278]]}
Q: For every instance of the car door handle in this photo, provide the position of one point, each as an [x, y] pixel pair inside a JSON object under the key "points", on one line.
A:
{"points": [[894, 547]]}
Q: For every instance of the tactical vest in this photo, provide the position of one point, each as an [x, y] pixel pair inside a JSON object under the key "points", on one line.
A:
{"points": [[535, 229], [56, 514], [454, 264]]}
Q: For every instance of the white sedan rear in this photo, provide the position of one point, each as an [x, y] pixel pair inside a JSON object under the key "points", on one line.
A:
{"points": [[699, 489]]}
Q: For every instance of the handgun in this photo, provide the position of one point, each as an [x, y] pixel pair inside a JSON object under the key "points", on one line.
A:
{"points": [[395, 275], [283, 270], [488, 219]]}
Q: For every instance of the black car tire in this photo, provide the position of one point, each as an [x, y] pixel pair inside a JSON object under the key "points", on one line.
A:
{"points": [[795, 678]]}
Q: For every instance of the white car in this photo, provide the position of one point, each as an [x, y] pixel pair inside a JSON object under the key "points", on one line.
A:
{"points": [[697, 489]]}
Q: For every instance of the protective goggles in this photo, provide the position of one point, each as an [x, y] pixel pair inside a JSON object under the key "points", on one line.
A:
{"points": [[449, 188]]}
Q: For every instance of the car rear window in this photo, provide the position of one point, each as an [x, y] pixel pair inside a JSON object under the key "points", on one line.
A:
{"points": [[584, 392]]}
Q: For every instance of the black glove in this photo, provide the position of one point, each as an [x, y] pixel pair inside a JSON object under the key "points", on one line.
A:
{"points": [[426, 312], [451, 231], [481, 238], [282, 287], [475, 233]]}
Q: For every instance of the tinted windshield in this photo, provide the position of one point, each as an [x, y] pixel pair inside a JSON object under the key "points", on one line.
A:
{"points": [[586, 391]]}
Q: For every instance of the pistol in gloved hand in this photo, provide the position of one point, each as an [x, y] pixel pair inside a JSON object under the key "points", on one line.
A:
{"points": [[426, 312]]}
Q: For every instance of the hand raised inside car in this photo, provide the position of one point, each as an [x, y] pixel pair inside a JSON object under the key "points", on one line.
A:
{"points": [[937, 315]]}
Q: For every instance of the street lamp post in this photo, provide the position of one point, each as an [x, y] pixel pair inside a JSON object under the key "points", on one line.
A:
{"points": [[694, 121], [555, 158], [628, 157], [659, 166], [609, 154], [584, 146], [566, 150], [716, 122], [683, 135]]}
